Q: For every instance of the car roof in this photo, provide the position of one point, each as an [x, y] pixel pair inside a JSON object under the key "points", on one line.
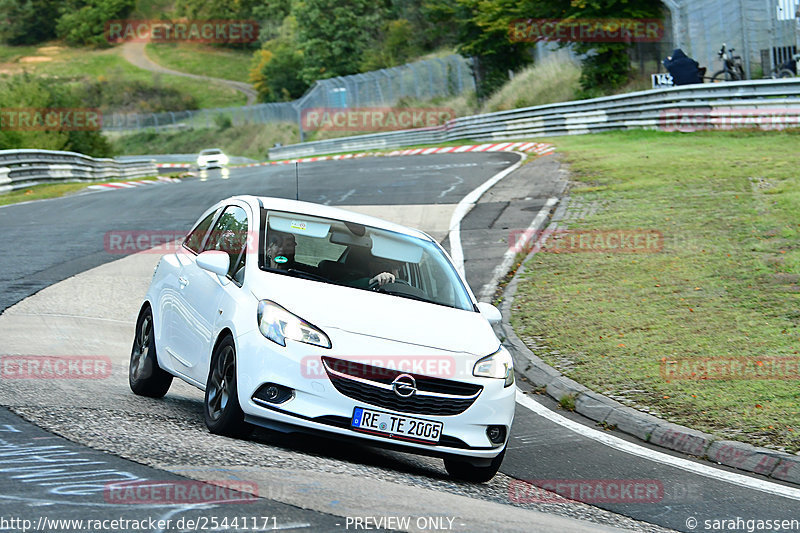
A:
{"points": [[326, 211]]}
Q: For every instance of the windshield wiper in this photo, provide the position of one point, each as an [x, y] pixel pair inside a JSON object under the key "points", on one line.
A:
{"points": [[307, 275], [405, 295]]}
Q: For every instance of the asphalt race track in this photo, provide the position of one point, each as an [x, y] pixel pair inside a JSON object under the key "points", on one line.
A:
{"points": [[87, 305]]}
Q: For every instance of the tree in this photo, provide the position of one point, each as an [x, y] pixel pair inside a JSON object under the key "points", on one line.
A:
{"points": [[481, 29], [606, 66], [83, 22], [277, 66], [395, 46], [333, 35], [28, 21]]}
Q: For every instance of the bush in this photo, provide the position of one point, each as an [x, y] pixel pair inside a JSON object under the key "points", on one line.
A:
{"points": [[83, 22], [126, 96], [25, 92], [222, 122]]}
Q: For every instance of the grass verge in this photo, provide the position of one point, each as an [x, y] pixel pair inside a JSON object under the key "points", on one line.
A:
{"points": [[725, 285], [52, 190]]}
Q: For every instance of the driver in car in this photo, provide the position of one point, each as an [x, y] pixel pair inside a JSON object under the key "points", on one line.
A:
{"points": [[385, 272]]}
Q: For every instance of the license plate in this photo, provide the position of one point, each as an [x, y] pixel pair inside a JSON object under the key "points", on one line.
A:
{"points": [[396, 426]]}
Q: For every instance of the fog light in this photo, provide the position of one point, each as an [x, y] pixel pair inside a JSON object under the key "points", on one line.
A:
{"points": [[496, 434], [272, 393]]}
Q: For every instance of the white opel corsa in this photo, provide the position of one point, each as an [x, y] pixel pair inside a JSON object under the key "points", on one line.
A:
{"points": [[301, 317]]}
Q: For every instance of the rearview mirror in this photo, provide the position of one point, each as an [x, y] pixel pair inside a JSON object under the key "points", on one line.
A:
{"points": [[490, 312], [214, 261]]}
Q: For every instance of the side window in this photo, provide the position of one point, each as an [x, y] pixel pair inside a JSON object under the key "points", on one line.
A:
{"points": [[230, 235], [194, 241]]}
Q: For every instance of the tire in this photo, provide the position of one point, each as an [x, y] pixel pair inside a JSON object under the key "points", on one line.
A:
{"points": [[145, 377], [786, 73], [721, 76], [466, 471], [221, 409]]}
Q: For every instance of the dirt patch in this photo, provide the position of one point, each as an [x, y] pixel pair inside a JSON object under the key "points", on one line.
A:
{"points": [[35, 59], [49, 50]]}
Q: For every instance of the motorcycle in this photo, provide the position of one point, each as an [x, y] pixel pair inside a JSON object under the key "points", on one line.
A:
{"points": [[787, 69], [732, 66]]}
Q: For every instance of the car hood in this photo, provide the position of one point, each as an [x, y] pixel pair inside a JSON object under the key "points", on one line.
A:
{"points": [[380, 315]]}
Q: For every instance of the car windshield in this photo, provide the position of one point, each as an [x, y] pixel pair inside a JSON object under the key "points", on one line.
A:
{"points": [[211, 152], [344, 253]]}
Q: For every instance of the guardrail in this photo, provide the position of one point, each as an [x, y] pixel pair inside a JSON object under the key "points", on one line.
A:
{"points": [[24, 168], [693, 107]]}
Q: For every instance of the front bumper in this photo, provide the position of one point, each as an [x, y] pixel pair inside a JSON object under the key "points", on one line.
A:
{"points": [[317, 406]]}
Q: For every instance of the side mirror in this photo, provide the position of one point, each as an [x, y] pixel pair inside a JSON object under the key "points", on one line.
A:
{"points": [[214, 261], [490, 312]]}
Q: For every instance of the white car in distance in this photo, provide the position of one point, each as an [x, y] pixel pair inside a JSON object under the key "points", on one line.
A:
{"points": [[301, 317], [211, 158]]}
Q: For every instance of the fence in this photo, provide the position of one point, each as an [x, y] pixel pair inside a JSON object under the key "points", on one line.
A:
{"points": [[701, 104], [24, 168], [422, 80]]}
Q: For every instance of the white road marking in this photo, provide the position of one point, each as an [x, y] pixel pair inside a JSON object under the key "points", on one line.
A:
{"points": [[465, 206], [656, 456], [347, 195]]}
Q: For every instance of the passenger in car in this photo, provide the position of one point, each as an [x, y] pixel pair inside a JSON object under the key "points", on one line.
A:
{"points": [[281, 248]]}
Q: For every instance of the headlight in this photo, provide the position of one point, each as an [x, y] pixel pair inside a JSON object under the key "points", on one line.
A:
{"points": [[277, 324], [498, 365], [223, 159]]}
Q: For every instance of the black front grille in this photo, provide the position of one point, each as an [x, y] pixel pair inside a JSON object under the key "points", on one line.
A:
{"points": [[370, 384]]}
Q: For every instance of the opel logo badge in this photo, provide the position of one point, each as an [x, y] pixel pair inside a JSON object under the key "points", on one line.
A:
{"points": [[404, 385]]}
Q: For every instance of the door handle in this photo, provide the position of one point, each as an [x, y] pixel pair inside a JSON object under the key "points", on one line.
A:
{"points": [[183, 281]]}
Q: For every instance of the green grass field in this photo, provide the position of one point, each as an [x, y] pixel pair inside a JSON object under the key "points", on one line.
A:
{"points": [[726, 284], [76, 64], [203, 60]]}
